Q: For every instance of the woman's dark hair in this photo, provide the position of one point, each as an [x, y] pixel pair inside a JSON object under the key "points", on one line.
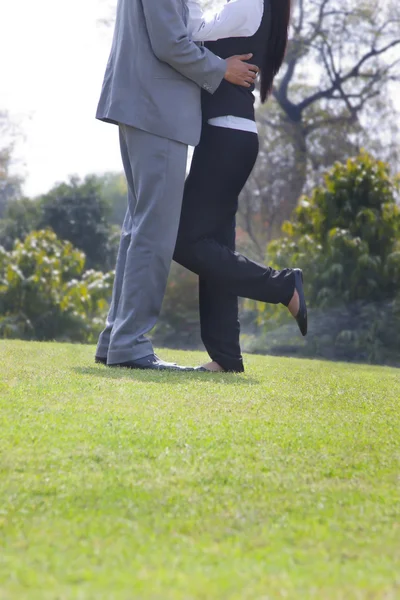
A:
{"points": [[277, 43]]}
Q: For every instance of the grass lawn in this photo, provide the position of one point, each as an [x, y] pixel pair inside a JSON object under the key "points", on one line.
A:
{"points": [[282, 483]]}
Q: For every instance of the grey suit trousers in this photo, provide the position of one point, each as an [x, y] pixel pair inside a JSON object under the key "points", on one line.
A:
{"points": [[155, 169]]}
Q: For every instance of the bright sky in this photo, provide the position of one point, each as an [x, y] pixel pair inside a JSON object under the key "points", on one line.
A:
{"points": [[52, 60]]}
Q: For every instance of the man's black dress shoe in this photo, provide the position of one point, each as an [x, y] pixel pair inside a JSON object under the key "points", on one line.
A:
{"points": [[99, 360], [302, 317], [152, 362]]}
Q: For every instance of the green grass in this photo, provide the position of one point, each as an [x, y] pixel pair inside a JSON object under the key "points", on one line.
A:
{"points": [[282, 483]]}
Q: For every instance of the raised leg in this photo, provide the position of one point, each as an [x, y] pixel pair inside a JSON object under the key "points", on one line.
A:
{"points": [[221, 166]]}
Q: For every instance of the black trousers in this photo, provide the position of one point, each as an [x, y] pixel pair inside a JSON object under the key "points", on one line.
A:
{"points": [[222, 163]]}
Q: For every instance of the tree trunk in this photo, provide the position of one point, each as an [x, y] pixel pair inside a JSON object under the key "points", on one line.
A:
{"points": [[299, 177]]}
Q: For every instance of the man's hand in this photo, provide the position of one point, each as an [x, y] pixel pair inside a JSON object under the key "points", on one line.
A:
{"points": [[240, 72]]}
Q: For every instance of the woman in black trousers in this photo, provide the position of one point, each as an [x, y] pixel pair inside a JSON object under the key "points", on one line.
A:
{"points": [[221, 166]]}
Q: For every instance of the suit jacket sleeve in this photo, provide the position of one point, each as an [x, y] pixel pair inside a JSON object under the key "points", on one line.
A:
{"points": [[169, 38]]}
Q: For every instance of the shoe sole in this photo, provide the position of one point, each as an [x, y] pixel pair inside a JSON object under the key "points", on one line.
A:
{"points": [[139, 368]]}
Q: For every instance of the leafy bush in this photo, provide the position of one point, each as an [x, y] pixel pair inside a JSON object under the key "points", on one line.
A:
{"points": [[46, 294], [346, 237]]}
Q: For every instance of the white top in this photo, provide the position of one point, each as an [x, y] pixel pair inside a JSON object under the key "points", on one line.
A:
{"points": [[238, 18], [231, 122]]}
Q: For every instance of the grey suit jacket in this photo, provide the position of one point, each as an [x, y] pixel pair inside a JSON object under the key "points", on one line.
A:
{"points": [[155, 72]]}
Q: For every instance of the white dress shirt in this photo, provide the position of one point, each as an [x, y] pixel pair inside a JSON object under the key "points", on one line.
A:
{"points": [[238, 18]]}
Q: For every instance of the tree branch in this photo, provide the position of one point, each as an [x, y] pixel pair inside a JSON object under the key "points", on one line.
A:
{"points": [[341, 79]]}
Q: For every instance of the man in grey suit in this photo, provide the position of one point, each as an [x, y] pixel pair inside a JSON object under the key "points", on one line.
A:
{"points": [[151, 91]]}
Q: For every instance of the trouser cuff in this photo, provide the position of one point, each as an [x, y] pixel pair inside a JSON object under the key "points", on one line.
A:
{"points": [[230, 365]]}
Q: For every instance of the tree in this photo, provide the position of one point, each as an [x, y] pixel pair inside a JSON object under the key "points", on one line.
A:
{"points": [[25, 215], [46, 294], [10, 185], [114, 191], [346, 237], [20, 218], [332, 98], [76, 212], [354, 50]]}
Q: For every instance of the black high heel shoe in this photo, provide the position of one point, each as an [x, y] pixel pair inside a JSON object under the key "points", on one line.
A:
{"points": [[302, 317]]}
